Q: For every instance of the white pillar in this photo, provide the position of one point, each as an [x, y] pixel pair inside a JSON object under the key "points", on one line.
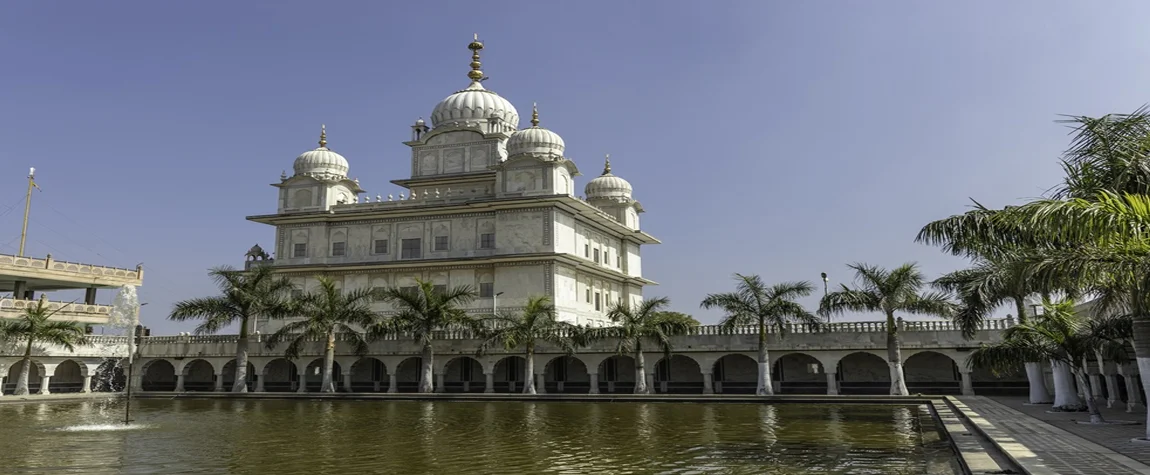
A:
{"points": [[375, 386], [439, 383], [1133, 394], [391, 385], [44, 382], [260, 377], [347, 382], [650, 383], [708, 383], [489, 384], [1096, 385], [1111, 389], [832, 385], [219, 383], [180, 383], [302, 381], [967, 384], [594, 377], [3, 370], [87, 388], [540, 384]]}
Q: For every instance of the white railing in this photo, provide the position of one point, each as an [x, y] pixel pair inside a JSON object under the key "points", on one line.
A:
{"points": [[68, 307], [7, 260]]}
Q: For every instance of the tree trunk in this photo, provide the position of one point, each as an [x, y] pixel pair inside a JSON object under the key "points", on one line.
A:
{"points": [[426, 375], [1065, 395], [764, 387], [529, 372], [1142, 353], [640, 370], [894, 357], [328, 386], [241, 384], [1035, 379], [25, 368], [1091, 404]]}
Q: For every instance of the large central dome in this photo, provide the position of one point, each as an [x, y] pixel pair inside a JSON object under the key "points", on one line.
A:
{"points": [[474, 103]]}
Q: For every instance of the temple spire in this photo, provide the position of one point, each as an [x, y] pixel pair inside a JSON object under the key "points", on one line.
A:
{"points": [[323, 135], [534, 115], [607, 165], [476, 75]]}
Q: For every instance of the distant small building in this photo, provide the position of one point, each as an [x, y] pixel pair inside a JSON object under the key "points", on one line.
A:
{"points": [[488, 205]]}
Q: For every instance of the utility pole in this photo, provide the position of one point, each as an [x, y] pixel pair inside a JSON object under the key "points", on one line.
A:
{"points": [[27, 208], [495, 303]]}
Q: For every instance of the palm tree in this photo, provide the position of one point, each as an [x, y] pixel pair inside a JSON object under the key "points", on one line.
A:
{"points": [[888, 291], [246, 296], [1058, 335], [34, 327], [535, 324], [420, 313], [771, 308], [324, 314], [646, 322]]}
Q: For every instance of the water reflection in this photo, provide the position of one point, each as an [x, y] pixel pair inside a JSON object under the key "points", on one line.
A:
{"points": [[304, 437]]}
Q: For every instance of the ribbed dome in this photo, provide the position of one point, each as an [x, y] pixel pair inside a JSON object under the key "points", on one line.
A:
{"points": [[321, 161], [607, 185], [474, 103], [535, 140]]}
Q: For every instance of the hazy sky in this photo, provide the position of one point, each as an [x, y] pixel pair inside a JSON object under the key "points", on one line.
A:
{"points": [[777, 138]]}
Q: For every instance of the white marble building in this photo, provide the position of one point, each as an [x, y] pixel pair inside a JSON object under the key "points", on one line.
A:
{"points": [[488, 205]]}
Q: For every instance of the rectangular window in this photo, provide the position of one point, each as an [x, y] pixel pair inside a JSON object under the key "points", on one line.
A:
{"points": [[441, 243], [441, 289], [411, 248], [598, 304], [339, 249], [596, 256], [299, 249], [606, 257], [588, 295], [587, 250], [381, 246], [486, 290], [487, 241], [619, 261]]}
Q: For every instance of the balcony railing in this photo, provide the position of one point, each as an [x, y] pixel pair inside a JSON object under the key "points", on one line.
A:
{"points": [[7, 260], [69, 308]]}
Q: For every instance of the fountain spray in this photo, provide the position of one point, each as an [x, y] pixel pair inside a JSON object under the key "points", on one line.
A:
{"points": [[126, 314]]}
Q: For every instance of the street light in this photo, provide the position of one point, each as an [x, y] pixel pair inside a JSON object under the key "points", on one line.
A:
{"points": [[825, 280], [495, 303]]}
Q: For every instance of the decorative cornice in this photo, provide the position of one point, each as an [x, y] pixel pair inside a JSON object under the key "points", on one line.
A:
{"points": [[383, 268]]}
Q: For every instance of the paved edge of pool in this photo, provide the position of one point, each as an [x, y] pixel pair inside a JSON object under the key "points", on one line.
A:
{"points": [[973, 447]]}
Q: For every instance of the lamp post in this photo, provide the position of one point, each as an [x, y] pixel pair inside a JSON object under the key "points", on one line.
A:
{"points": [[825, 280], [495, 303]]}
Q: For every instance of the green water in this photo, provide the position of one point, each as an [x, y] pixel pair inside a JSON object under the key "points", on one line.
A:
{"points": [[410, 437]]}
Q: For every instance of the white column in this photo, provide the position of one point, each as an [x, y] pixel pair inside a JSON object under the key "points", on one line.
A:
{"points": [[708, 383], [594, 377], [540, 384], [219, 383], [489, 385], [260, 377], [302, 380], [650, 383], [967, 384], [1096, 385], [832, 385], [439, 383], [44, 381], [3, 370], [180, 383], [347, 382], [375, 386], [87, 388], [391, 386], [1111, 389], [1133, 394]]}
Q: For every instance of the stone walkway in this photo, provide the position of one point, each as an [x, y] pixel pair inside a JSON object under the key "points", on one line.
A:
{"points": [[1053, 443]]}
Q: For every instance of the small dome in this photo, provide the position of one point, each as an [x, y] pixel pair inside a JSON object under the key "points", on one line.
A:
{"points": [[321, 161], [474, 104], [535, 139], [607, 185]]}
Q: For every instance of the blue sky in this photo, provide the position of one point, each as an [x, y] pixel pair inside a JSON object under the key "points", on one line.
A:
{"points": [[777, 138]]}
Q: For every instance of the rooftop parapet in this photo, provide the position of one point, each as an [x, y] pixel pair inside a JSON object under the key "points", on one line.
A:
{"points": [[51, 274], [64, 311]]}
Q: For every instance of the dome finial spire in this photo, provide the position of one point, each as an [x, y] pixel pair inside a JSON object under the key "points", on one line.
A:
{"points": [[607, 165], [476, 75], [322, 135], [534, 115]]}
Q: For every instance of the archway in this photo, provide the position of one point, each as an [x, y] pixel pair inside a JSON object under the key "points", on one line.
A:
{"points": [[463, 374], [68, 377], [229, 375], [799, 373], [680, 375], [35, 369], [368, 375], [199, 375], [930, 372], [159, 375], [110, 376], [617, 375], [313, 375], [509, 374], [863, 373], [280, 375], [407, 375], [735, 374], [566, 374]]}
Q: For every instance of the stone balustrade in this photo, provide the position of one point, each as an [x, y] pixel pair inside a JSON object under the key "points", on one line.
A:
{"points": [[129, 276], [419, 197], [69, 311]]}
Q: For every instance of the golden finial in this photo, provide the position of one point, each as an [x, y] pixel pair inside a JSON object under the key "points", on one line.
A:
{"points": [[607, 165], [534, 115], [322, 135], [475, 74]]}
